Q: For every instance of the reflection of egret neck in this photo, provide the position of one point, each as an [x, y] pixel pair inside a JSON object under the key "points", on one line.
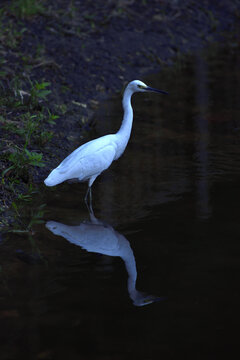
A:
{"points": [[127, 256], [96, 236]]}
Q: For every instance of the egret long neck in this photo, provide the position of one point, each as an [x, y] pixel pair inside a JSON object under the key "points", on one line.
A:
{"points": [[125, 130]]}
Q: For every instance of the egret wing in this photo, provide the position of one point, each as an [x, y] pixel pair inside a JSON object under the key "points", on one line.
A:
{"points": [[89, 159], [84, 151], [95, 163]]}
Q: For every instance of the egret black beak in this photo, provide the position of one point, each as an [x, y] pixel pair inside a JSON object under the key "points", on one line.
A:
{"points": [[148, 88]]}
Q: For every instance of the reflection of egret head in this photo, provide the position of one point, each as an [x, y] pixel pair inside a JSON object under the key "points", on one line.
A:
{"points": [[145, 299], [98, 237]]}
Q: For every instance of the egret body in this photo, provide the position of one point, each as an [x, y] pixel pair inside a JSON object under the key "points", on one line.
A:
{"points": [[91, 159]]}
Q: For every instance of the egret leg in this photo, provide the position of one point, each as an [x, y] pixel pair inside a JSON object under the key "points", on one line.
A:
{"points": [[89, 195], [86, 195]]}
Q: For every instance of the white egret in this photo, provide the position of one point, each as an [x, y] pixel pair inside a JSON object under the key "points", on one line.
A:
{"points": [[91, 159]]}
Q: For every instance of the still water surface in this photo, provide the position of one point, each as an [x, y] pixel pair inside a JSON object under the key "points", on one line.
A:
{"points": [[154, 271]]}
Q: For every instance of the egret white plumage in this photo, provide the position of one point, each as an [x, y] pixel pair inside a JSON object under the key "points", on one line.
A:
{"points": [[91, 159]]}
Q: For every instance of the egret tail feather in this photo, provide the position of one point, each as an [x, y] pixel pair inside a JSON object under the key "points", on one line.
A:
{"points": [[54, 178]]}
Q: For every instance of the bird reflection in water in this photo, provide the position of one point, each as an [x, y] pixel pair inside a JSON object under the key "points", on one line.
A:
{"points": [[99, 237]]}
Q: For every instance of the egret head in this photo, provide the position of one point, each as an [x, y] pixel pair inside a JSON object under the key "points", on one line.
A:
{"points": [[139, 86]]}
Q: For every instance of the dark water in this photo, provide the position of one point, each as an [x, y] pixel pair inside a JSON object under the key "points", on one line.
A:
{"points": [[154, 272]]}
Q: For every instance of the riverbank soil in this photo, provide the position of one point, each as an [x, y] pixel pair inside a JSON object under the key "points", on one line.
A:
{"points": [[59, 59]]}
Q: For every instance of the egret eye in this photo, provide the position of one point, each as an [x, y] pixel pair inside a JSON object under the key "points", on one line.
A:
{"points": [[141, 87]]}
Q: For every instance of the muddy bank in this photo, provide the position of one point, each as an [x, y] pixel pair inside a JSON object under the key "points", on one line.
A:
{"points": [[86, 51]]}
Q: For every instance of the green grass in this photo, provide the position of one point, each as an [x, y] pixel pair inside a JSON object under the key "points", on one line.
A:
{"points": [[24, 125], [26, 8], [25, 119]]}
